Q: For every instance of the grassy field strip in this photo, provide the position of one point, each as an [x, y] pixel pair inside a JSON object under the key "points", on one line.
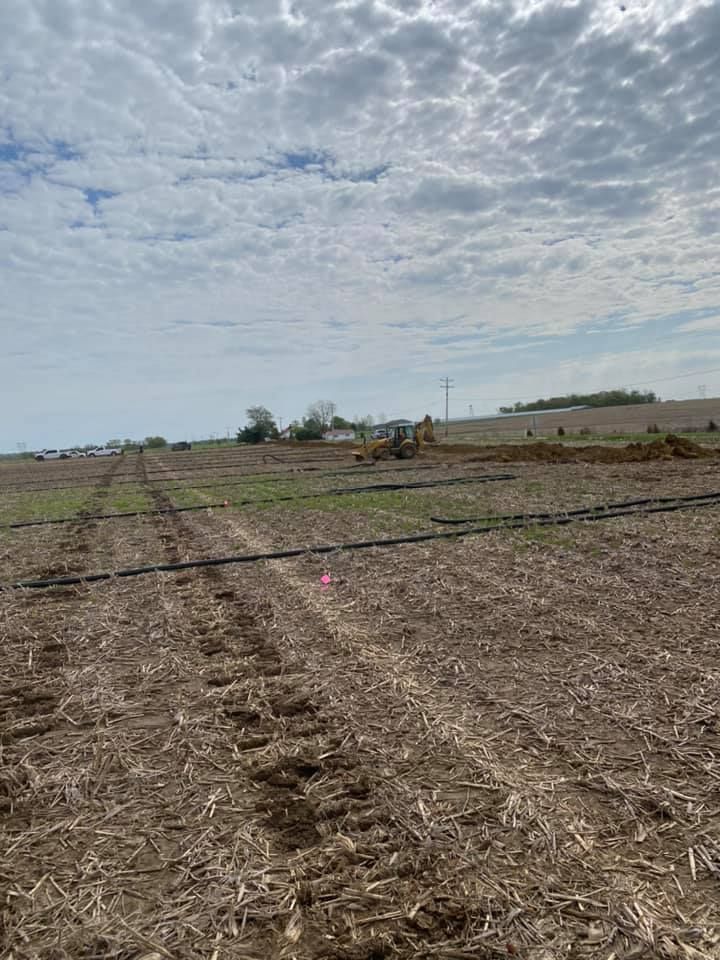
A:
{"points": [[69, 503]]}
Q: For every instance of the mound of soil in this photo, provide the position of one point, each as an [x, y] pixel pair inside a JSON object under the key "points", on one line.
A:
{"points": [[665, 448], [674, 447]]}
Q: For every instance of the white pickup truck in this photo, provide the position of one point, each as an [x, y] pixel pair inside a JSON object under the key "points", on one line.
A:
{"points": [[58, 455], [105, 452], [52, 455]]}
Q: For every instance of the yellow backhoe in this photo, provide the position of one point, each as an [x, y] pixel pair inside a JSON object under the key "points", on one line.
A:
{"points": [[406, 440]]}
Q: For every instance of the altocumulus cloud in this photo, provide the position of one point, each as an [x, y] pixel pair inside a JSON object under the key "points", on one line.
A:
{"points": [[206, 204]]}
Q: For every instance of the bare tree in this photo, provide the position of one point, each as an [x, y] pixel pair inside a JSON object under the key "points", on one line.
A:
{"points": [[322, 411]]}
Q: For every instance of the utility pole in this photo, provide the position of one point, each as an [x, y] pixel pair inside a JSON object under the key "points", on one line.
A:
{"points": [[281, 420], [447, 382]]}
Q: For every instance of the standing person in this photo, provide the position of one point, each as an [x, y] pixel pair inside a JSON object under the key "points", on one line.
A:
{"points": [[141, 449]]}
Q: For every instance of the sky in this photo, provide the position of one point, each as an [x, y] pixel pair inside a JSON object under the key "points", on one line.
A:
{"points": [[211, 204]]}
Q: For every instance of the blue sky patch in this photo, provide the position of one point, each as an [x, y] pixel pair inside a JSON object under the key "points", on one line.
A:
{"points": [[371, 175], [11, 152], [95, 197], [304, 159], [63, 150]]}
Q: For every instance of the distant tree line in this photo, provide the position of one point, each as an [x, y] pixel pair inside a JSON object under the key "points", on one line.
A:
{"points": [[605, 398]]}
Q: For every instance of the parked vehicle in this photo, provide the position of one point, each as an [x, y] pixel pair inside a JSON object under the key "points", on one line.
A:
{"points": [[58, 455], [181, 445], [105, 452], [379, 434]]}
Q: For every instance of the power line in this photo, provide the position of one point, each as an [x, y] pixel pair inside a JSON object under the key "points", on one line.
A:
{"points": [[679, 376], [634, 383]]}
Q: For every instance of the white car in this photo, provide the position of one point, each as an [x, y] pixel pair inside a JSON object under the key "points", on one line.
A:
{"points": [[105, 452]]}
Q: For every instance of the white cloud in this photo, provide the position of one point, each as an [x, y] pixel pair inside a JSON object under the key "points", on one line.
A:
{"points": [[710, 324], [197, 191]]}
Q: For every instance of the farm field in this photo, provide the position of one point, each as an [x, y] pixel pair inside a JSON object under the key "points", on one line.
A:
{"points": [[503, 744], [631, 421]]}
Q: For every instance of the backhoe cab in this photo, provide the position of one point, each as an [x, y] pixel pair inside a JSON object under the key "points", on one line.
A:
{"points": [[402, 443]]}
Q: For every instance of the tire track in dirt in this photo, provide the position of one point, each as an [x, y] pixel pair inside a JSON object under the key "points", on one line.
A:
{"points": [[528, 791], [112, 685], [75, 538], [313, 791], [299, 778], [687, 756], [35, 631], [610, 815], [310, 783], [252, 717], [363, 817], [49, 553]]}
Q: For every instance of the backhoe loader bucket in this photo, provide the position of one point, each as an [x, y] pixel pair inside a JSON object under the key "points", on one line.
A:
{"points": [[373, 450]]}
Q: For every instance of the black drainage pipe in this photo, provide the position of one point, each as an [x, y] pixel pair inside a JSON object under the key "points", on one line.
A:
{"points": [[86, 518], [336, 547], [577, 513], [335, 492], [246, 479]]}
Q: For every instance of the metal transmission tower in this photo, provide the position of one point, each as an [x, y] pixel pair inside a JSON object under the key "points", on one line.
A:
{"points": [[447, 382]]}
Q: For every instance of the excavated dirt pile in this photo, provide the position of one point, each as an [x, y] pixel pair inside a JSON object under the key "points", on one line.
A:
{"points": [[665, 448], [674, 447]]}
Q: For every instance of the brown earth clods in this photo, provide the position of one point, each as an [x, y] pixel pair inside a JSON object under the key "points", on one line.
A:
{"points": [[665, 448]]}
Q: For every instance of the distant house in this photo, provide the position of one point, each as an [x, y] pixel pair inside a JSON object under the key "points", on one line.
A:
{"points": [[286, 434], [336, 435]]}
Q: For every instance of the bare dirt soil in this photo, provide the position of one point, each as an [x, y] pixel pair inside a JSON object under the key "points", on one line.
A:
{"points": [[500, 746], [664, 448], [671, 415]]}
